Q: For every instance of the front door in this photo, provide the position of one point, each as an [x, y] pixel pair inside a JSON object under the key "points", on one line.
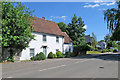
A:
{"points": [[45, 50]]}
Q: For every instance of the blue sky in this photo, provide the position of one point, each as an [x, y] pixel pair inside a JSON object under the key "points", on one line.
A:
{"points": [[91, 13]]}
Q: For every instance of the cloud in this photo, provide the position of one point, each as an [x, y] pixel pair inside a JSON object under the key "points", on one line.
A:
{"points": [[92, 6], [107, 4], [85, 27], [59, 17], [98, 3]]}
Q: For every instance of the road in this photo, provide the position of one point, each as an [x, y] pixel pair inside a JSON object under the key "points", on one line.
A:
{"points": [[80, 67]]}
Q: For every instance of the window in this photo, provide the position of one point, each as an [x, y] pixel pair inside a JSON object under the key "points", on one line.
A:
{"points": [[31, 52], [44, 38], [57, 39], [57, 50], [45, 50]]}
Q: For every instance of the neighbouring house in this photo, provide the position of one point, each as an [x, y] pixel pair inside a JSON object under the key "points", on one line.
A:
{"points": [[102, 44], [48, 38], [88, 39], [68, 43]]}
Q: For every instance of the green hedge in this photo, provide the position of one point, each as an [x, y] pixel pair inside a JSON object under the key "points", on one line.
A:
{"points": [[39, 56], [55, 55], [51, 55], [59, 54]]}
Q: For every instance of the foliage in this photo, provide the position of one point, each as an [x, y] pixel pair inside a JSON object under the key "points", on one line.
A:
{"points": [[39, 56], [75, 29], [94, 40], [59, 54], [119, 47], [96, 49], [11, 59], [62, 26], [16, 26], [55, 55], [107, 38], [67, 54], [112, 16], [107, 50], [118, 43], [90, 48], [112, 44], [50, 55], [72, 54]]}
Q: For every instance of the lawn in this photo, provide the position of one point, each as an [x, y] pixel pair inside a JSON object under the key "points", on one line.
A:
{"points": [[93, 52]]}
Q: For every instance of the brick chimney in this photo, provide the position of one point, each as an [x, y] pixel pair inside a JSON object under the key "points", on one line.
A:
{"points": [[44, 18]]}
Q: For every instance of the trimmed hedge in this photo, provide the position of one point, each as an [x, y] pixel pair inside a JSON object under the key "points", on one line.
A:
{"points": [[51, 55], [39, 56], [55, 55], [59, 54]]}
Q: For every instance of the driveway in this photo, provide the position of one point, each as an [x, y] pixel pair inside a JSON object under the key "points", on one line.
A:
{"points": [[105, 66]]}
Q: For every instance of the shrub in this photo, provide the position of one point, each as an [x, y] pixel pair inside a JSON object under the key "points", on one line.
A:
{"points": [[110, 50], [67, 54], [105, 50], [90, 48], [55, 55], [39, 56], [96, 49], [59, 54], [72, 55], [51, 55], [11, 59]]}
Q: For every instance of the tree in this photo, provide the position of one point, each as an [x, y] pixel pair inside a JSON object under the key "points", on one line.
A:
{"points": [[94, 40], [76, 30], [62, 26], [112, 16], [107, 38], [16, 26]]}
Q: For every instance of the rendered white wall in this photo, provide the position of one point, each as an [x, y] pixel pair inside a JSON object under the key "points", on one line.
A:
{"points": [[37, 44]]}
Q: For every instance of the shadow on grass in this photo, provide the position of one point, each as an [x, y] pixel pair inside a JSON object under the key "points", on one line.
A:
{"points": [[110, 57]]}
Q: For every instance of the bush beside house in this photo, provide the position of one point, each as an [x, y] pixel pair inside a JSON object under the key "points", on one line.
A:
{"points": [[59, 54], [39, 56]]}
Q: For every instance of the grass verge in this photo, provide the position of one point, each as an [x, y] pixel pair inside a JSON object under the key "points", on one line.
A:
{"points": [[94, 52]]}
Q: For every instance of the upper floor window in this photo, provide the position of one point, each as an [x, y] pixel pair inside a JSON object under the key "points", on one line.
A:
{"points": [[31, 52], [44, 38], [57, 39]]}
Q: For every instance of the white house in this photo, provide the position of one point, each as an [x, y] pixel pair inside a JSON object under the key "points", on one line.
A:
{"points": [[48, 38], [102, 44], [68, 43]]}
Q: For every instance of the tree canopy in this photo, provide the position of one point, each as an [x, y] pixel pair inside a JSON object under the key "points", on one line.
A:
{"points": [[75, 30], [112, 16], [62, 26], [94, 40], [16, 26]]}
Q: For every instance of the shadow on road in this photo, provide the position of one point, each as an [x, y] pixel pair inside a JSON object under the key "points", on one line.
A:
{"points": [[110, 57]]}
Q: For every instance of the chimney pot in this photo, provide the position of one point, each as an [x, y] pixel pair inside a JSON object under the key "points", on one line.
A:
{"points": [[44, 18]]}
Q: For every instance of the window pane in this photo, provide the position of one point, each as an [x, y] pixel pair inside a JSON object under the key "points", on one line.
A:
{"points": [[44, 37], [57, 39], [31, 52]]}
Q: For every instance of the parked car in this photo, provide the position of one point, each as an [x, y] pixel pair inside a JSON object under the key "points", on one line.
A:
{"points": [[115, 50]]}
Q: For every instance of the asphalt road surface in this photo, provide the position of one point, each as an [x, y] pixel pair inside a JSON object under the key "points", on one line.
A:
{"points": [[80, 67]]}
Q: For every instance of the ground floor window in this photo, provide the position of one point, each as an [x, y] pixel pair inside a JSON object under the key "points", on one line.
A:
{"points": [[45, 50], [32, 52]]}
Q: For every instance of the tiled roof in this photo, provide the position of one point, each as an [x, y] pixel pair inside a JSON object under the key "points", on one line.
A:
{"points": [[67, 39], [46, 26]]}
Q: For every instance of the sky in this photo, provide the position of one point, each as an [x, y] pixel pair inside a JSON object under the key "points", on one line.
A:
{"points": [[92, 13]]}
